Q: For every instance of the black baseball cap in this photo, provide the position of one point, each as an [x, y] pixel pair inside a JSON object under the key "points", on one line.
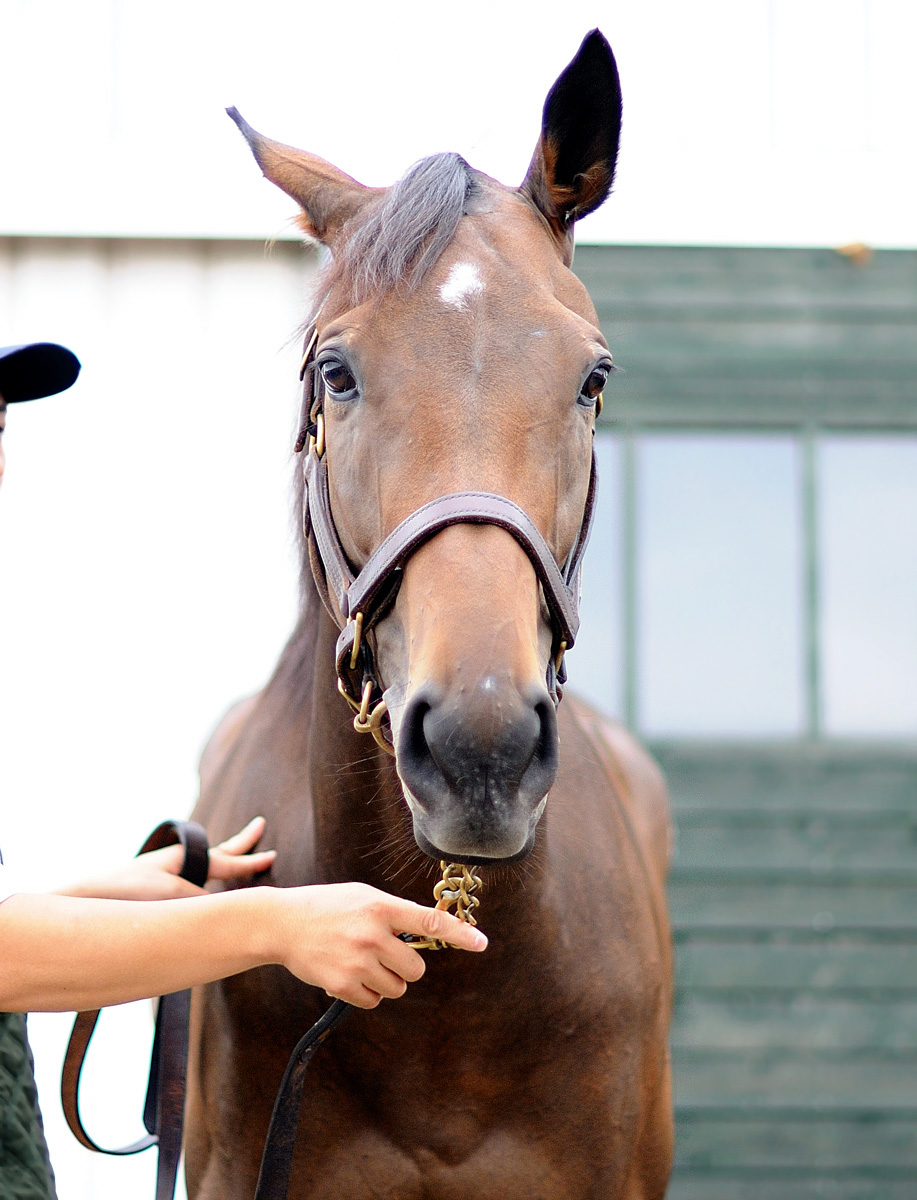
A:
{"points": [[36, 369]]}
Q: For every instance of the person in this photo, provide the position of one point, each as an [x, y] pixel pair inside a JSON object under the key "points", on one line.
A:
{"points": [[100, 941]]}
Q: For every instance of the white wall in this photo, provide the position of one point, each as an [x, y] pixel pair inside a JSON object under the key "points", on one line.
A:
{"points": [[781, 122], [146, 573]]}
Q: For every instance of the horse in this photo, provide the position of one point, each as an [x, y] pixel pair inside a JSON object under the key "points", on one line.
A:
{"points": [[452, 380]]}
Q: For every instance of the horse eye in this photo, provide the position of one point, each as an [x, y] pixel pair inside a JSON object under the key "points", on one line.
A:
{"points": [[337, 378], [595, 384]]}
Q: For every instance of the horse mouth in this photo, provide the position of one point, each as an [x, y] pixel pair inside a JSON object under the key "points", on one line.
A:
{"points": [[475, 842]]}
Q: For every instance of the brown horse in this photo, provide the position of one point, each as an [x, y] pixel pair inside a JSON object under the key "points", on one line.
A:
{"points": [[455, 356]]}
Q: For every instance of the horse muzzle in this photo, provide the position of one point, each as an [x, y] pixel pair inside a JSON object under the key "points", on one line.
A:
{"points": [[476, 774]]}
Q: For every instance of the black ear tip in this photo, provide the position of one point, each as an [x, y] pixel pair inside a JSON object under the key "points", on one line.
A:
{"points": [[595, 47]]}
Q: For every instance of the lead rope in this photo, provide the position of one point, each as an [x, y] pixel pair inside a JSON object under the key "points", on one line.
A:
{"points": [[456, 889]]}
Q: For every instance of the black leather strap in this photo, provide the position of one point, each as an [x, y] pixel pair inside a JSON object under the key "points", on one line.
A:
{"points": [[373, 588], [163, 1111], [192, 838], [473, 508], [274, 1176], [338, 575]]}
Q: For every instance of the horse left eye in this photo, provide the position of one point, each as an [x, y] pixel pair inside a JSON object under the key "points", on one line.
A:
{"points": [[338, 379], [594, 385]]}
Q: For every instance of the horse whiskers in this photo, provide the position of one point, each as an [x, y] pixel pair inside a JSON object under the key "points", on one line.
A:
{"points": [[397, 853], [513, 875], [394, 845], [360, 767]]}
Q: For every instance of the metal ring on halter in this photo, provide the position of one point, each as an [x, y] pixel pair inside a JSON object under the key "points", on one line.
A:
{"points": [[347, 696], [372, 723], [363, 710], [559, 657], [317, 441], [357, 639]]}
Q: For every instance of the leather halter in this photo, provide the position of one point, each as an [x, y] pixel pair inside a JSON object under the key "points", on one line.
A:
{"points": [[357, 601]]}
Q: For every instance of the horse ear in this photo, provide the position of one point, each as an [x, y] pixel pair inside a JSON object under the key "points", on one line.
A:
{"points": [[327, 196], [573, 166]]}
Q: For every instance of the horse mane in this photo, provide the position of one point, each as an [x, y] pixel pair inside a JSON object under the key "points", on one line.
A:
{"points": [[397, 241]]}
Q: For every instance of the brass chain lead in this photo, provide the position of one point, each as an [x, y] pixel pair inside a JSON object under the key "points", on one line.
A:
{"points": [[456, 888]]}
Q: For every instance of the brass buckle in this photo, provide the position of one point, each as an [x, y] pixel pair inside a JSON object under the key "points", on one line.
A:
{"points": [[559, 657], [357, 639], [307, 353], [317, 443]]}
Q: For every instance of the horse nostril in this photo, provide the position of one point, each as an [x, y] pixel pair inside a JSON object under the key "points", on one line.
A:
{"points": [[545, 756], [416, 761]]}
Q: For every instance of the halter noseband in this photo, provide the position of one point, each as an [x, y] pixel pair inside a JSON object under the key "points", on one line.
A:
{"points": [[357, 602]]}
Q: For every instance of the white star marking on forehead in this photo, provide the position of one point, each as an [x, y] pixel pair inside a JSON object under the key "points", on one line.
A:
{"points": [[464, 281]]}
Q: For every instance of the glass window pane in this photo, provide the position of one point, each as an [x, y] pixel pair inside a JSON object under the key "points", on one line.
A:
{"points": [[719, 643], [595, 664], [867, 504]]}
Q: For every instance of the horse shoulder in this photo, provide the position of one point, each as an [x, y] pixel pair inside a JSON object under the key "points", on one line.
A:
{"points": [[224, 738], [637, 780]]}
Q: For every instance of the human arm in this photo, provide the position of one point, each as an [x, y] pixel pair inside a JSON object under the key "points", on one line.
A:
{"points": [[60, 953]]}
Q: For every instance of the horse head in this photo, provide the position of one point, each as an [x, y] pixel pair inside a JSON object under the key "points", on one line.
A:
{"points": [[455, 355]]}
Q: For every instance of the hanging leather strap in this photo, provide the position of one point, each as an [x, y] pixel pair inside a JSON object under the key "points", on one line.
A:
{"points": [[163, 1110], [277, 1159]]}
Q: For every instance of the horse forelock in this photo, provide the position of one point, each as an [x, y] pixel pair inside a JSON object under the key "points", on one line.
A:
{"points": [[397, 240]]}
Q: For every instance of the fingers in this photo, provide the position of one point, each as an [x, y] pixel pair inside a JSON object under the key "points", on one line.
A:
{"points": [[360, 996], [181, 889], [230, 866], [169, 859], [245, 839], [434, 923], [231, 860], [366, 986], [404, 961]]}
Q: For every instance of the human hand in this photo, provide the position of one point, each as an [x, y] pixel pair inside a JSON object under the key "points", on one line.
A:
{"points": [[155, 875], [344, 938]]}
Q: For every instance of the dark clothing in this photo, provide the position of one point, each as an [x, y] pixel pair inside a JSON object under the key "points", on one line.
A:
{"points": [[25, 1169]]}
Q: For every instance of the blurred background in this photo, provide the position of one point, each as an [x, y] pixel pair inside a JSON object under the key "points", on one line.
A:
{"points": [[751, 589]]}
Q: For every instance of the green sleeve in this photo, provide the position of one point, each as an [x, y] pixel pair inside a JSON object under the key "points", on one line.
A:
{"points": [[25, 1169]]}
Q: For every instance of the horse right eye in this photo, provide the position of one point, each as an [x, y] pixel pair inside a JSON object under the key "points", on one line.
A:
{"points": [[338, 380]]}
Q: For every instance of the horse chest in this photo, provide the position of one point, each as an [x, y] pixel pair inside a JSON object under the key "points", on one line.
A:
{"points": [[507, 1164], [487, 1073], [421, 1122]]}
